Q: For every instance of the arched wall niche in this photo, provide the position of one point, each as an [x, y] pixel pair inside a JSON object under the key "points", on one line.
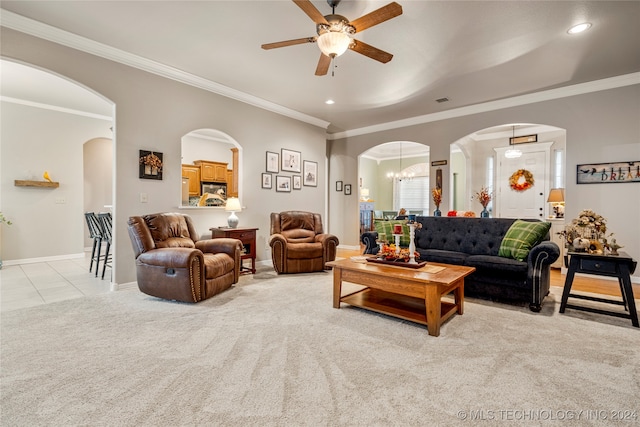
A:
{"points": [[214, 146]]}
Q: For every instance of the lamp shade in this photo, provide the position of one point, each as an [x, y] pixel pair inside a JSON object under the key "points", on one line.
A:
{"points": [[333, 43], [364, 192], [556, 195], [233, 205]]}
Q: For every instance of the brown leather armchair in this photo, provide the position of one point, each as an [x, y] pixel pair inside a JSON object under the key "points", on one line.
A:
{"points": [[171, 262], [299, 244]]}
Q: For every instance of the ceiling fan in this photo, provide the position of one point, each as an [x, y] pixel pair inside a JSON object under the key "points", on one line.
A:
{"points": [[335, 33]]}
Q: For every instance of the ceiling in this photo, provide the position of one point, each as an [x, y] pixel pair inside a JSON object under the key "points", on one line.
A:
{"points": [[470, 52]]}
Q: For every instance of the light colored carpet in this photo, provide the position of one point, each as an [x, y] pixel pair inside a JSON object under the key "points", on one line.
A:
{"points": [[273, 351]]}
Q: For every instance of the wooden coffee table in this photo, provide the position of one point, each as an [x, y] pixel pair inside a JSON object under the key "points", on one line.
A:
{"points": [[407, 293]]}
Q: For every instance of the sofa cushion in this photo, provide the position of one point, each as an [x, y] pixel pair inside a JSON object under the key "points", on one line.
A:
{"points": [[445, 257], [496, 263], [521, 237], [385, 231]]}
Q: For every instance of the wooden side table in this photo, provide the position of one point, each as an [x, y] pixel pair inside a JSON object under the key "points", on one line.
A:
{"points": [[248, 238], [620, 266]]}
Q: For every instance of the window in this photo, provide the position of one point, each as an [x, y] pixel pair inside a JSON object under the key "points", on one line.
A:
{"points": [[412, 194], [489, 181], [558, 169]]}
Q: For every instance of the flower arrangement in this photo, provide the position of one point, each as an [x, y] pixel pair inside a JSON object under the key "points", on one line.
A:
{"points": [[452, 213], [436, 193], [521, 180], [151, 160], [587, 225], [483, 196]]}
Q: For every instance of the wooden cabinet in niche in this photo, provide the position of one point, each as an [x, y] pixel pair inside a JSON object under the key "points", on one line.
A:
{"points": [[193, 173]]}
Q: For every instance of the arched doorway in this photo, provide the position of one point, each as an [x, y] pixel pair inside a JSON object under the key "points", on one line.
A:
{"points": [[392, 176], [47, 119], [211, 162], [479, 160]]}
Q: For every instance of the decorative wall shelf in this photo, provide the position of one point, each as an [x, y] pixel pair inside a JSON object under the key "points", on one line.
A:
{"points": [[42, 184]]}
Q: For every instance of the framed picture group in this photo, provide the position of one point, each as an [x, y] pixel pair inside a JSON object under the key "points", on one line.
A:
{"points": [[301, 172]]}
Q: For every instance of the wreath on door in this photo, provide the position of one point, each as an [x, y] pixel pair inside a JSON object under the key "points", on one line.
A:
{"points": [[521, 180]]}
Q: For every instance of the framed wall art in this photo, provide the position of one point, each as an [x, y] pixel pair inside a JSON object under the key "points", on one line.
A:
{"points": [[608, 173], [283, 184], [310, 173], [273, 162], [150, 165], [347, 189], [339, 186], [290, 160], [297, 182], [267, 180]]}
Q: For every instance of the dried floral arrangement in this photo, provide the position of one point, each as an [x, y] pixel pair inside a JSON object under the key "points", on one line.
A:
{"points": [[151, 160], [483, 196], [436, 193]]}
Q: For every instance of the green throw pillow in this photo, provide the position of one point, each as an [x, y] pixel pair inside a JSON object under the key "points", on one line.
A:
{"points": [[521, 237], [385, 232]]}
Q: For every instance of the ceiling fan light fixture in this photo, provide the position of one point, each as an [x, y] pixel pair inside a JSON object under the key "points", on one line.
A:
{"points": [[333, 43]]}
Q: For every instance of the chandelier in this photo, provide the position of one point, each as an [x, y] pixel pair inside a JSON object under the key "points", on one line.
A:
{"points": [[513, 153], [400, 175]]}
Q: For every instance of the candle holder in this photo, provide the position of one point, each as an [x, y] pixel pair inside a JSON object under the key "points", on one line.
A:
{"points": [[412, 244], [397, 238]]}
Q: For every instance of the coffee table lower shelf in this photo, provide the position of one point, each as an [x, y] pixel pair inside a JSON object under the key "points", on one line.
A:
{"points": [[396, 305]]}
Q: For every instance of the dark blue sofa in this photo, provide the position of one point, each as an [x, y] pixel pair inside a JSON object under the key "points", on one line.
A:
{"points": [[475, 242]]}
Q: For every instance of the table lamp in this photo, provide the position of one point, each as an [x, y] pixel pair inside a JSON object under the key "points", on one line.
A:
{"points": [[556, 198], [233, 206]]}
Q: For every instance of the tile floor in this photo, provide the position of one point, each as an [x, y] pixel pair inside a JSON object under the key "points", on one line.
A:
{"points": [[28, 285]]}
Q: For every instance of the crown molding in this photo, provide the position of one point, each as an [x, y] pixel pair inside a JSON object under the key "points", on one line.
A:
{"points": [[546, 95], [55, 108], [28, 26], [47, 32]]}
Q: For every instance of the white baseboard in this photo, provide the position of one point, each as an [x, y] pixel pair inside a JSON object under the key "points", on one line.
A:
{"points": [[43, 259]]}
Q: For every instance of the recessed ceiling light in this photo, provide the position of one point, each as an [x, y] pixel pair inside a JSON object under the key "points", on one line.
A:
{"points": [[329, 101], [579, 28]]}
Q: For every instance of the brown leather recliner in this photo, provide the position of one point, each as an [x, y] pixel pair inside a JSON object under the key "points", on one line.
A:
{"points": [[171, 262], [299, 244]]}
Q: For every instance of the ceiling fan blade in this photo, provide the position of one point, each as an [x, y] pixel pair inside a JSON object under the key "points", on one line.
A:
{"points": [[370, 51], [311, 11], [323, 65], [289, 43], [377, 16]]}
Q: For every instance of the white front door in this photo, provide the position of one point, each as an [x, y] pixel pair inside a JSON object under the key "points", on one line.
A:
{"points": [[529, 203]]}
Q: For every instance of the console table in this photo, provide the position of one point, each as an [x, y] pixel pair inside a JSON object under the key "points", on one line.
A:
{"points": [[248, 238], [620, 266]]}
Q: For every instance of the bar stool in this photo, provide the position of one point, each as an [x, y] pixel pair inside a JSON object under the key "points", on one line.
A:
{"points": [[95, 232], [106, 225]]}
